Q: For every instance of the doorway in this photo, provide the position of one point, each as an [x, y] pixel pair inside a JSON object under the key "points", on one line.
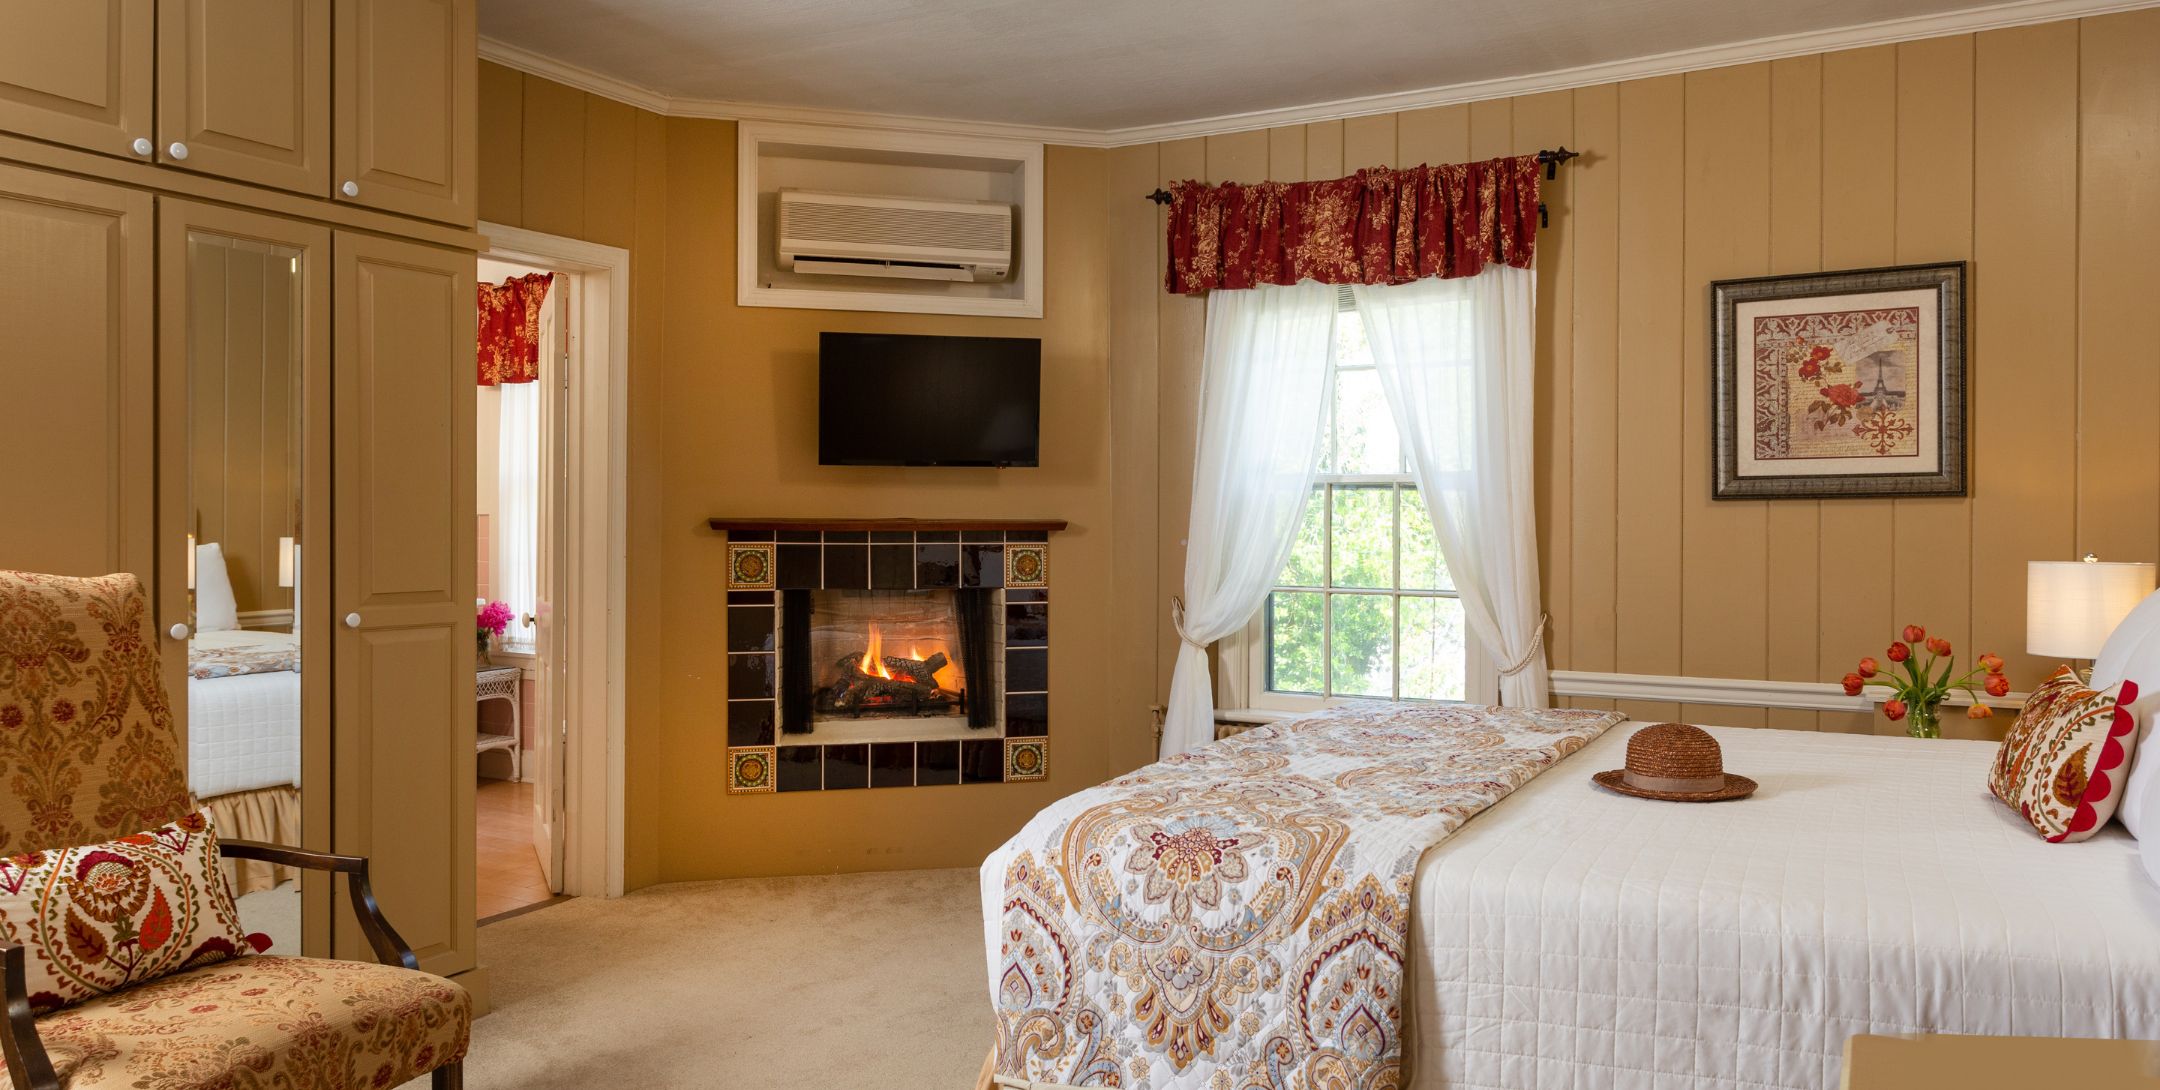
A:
{"points": [[550, 531]]}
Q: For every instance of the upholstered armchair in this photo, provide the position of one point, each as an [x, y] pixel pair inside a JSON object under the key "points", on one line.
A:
{"points": [[88, 754]]}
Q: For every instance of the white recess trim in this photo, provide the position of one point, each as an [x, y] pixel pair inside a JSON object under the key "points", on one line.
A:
{"points": [[1971, 20], [752, 136]]}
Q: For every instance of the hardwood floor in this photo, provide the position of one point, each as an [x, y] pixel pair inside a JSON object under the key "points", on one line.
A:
{"points": [[508, 867]]}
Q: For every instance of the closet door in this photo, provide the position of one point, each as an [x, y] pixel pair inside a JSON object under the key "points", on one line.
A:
{"points": [[402, 574], [78, 72], [244, 90], [407, 107], [77, 365], [243, 516]]}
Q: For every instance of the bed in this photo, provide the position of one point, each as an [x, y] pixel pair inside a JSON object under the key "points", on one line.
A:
{"points": [[1570, 937], [243, 694]]}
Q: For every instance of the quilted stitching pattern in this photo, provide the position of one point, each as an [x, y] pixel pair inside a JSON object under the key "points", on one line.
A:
{"points": [[1573, 938]]}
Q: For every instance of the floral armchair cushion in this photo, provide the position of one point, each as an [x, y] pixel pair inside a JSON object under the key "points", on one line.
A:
{"points": [[263, 1022], [2062, 764], [102, 917], [87, 748]]}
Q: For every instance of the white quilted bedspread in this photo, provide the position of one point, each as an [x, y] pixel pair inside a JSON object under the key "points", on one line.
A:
{"points": [[1573, 938]]}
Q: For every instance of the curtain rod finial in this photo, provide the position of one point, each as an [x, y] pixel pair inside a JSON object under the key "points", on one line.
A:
{"points": [[1160, 196]]}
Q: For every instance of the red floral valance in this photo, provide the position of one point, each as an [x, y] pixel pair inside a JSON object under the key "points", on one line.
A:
{"points": [[1378, 226], [510, 329]]}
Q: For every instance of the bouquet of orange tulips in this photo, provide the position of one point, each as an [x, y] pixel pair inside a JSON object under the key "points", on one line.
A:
{"points": [[1920, 687]]}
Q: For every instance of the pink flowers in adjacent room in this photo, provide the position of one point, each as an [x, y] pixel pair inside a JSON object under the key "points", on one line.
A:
{"points": [[1919, 688]]}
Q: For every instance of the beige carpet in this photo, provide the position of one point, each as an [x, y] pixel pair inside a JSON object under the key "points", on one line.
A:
{"points": [[843, 982]]}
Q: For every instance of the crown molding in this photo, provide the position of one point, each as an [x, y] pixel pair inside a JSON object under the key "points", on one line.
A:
{"points": [[1971, 20]]}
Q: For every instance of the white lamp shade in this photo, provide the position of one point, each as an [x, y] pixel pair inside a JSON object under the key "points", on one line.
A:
{"points": [[2072, 605], [284, 562]]}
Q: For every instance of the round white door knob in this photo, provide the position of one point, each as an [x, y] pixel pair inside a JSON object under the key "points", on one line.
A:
{"points": [[178, 150], [350, 189], [178, 632], [143, 146], [352, 620]]}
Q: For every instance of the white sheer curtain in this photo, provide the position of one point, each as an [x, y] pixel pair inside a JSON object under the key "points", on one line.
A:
{"points": [[1263, 404], [517, 532], [1456, 362]]}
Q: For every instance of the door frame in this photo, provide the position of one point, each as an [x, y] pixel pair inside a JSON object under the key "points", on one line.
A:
{"points": [[595, 571]]}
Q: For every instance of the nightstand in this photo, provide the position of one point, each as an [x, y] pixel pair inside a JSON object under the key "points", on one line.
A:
{"points": [[503, 683]]}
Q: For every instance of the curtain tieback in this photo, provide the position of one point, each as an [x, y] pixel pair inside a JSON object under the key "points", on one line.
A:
{"points": [[1177, 622], [1537, 643]]}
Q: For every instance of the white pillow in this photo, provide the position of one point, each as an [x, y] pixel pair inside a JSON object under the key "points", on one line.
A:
{"points": [[215, 610], [2132, 653]]}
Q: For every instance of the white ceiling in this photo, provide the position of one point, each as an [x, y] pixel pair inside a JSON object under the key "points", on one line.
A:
{"points": [[1106, 65]]}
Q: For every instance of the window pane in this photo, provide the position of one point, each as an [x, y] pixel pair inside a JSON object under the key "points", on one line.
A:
{"points": [[1363, 648], [1295, 636], [1432, 649], [1364, 433], [1306, 557], [1364, 536], [1423, 568]]}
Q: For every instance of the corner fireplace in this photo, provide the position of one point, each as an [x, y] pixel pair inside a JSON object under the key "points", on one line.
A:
{"points": [[835, 628]]}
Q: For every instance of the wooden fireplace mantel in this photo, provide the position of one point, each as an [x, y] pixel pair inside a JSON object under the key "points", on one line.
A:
{"points": [[729, 525]]}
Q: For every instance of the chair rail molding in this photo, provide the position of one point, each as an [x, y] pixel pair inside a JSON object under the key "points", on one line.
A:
{"points": [[1821, 696]]}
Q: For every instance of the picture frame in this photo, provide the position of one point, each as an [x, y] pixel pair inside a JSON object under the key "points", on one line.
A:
{"points": [[1839, 385]]}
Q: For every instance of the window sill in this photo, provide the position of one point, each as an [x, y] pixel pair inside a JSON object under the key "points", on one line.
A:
{"points": [[1252, 716]]}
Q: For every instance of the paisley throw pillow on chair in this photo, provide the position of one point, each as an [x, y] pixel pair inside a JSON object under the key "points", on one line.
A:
{"points": [[103, 917]]}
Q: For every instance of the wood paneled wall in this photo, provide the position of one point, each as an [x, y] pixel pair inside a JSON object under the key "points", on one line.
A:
{"points": [[2028, 152], [723, 421], [244, 411]]}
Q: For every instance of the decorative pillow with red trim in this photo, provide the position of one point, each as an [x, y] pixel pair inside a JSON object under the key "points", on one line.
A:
{"points": [[2062, 765], [103, 917]]}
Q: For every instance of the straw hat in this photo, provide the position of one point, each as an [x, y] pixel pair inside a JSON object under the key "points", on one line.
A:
{"points": [[1674, 762]]}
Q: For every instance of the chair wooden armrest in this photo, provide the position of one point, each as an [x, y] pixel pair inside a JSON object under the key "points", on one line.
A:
{"points": [[389, 948], [26, 1060]]}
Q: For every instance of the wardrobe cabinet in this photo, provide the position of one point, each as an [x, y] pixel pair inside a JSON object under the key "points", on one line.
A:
{"points": [[407, 115], [373, 103], [79, 367], [244, 90], [402, 534], [79, 72]]}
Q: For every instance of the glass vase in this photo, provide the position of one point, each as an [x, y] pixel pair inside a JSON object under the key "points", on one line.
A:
{"points": [[1924, 721]]}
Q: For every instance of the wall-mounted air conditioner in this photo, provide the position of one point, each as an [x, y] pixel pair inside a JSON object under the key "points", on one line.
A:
{"points": [[851, 234]]}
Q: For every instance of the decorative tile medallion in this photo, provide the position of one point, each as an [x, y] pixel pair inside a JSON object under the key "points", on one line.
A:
{"points": [[750, 567], [1027, 565], [750, 771], [1026, 759]]}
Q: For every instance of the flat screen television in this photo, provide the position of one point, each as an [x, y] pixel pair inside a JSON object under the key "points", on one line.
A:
{"points": [[891, 400]]}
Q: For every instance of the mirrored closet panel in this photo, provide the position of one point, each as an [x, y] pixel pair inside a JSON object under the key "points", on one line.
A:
{"points": [[243, 380]]}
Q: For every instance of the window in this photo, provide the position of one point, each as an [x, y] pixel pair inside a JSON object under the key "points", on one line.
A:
{"points": [[1365, 606]]}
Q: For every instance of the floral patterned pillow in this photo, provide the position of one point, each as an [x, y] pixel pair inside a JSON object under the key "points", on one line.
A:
{"points": [[102, 917], [2062, 764]]}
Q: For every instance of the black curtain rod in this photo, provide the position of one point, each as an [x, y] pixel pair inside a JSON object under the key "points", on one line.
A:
{"points": [[1551, 157]]}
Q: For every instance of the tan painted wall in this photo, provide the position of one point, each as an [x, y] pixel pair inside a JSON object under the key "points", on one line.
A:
{"points": [[723, 422], [2027, 152]]}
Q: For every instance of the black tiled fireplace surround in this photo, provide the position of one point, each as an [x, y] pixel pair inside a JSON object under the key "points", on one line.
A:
{"points": [[764, 563]]}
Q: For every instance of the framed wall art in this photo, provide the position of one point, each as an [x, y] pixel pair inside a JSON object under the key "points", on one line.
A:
{"points": [[1840, 384]]}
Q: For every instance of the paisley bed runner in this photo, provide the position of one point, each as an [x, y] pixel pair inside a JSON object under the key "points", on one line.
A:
{"points": [[1238, 917]]}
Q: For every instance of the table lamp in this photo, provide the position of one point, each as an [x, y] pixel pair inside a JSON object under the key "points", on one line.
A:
{"points": [[2071, 606]]}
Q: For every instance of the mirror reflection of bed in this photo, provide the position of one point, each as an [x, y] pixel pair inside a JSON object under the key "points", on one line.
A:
{"points": [[246, 347]]}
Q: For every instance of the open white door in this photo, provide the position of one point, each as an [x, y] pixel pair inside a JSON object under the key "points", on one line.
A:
{"points": [[549, 725]]}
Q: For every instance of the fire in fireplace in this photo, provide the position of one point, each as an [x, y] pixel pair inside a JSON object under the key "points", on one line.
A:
{"points": [[886, 665], [917, 683]]}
